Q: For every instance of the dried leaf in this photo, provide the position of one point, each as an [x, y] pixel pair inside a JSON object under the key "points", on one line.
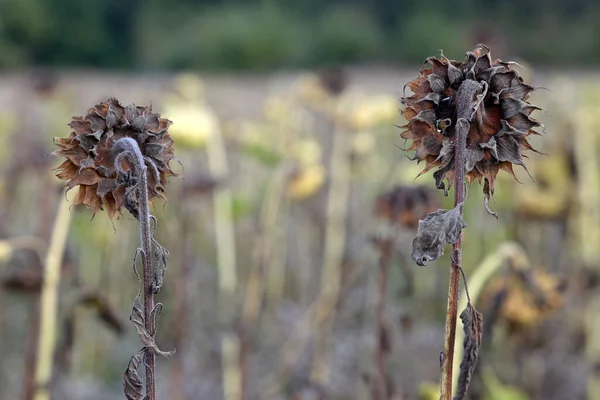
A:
{"points": [[155, 316], [132, 383], [160, 266], [473, 326], [438, 229], [137, 316]]}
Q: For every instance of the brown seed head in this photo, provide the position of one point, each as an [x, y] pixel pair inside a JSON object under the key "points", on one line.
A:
{"points": [[404, 206], [499, 127], [334, 80], [90, 162]]}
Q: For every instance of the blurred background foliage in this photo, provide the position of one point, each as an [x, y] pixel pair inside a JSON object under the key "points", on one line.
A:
{"points": [[263, 34]]}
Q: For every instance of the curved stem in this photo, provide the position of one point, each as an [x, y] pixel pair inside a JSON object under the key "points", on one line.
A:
{"points": [[466, 92], [130, 147]]}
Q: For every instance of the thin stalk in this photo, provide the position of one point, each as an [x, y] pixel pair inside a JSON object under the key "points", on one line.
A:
{"points": [[226, 261], [49, 302], [145, 236], [277, 263], [29, 386], [255, 289], [466, 92], [382, 347], [182, 309], [335, 241], [586, 146], [132, 150]]}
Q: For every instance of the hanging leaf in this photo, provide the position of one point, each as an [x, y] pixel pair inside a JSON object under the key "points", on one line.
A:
{"points": [[132, 383], [138, 320], [473, 326], [160, 265], [438, 229]]}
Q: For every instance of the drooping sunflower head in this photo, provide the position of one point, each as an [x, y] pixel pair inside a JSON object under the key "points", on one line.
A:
{"points": [[90, 159], [403, 206], [500, 123]]}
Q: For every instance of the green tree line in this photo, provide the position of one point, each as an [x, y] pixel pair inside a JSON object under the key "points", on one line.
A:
{"points": [[263, 34]]}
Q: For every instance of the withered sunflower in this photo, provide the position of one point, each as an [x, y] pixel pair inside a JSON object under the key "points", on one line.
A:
{"points": [[406, 205], [90, 162], [498, 130]]}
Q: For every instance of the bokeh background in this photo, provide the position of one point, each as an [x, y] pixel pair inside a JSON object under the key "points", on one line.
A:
{"points": [[291, 223]]}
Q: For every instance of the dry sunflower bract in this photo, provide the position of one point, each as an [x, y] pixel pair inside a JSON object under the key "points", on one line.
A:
{"points": [[499, 127], [89, 160]]}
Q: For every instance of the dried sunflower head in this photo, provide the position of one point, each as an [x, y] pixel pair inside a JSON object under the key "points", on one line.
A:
{"points": [[404, 206], [90, 159], [499, 126]]}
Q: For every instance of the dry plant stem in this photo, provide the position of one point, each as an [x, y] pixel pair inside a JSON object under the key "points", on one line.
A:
{"points": [[255, 289], [49, 302], [276, 264], [29, 386], [381, 344], [226, 260], [181, 324], [466, 92], [335, 239], [145, 236], [588, 218], [131, 147]]}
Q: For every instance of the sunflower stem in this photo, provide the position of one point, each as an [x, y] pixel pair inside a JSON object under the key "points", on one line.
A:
{"points": [[132, 149], [49, 303], [466, 92]]}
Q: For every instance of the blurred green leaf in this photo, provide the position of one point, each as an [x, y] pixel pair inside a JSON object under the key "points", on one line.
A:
{"points": [[241, 206], [265, 156]]}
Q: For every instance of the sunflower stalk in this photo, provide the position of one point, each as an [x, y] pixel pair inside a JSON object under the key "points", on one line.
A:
{"points": [[49, 303], [145, 321], [383, 345], [118, 156], [466, 92], [227, 265], [333, 257]]}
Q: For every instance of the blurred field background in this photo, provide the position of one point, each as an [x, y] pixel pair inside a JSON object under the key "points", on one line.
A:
{"points": [[291, 224]]}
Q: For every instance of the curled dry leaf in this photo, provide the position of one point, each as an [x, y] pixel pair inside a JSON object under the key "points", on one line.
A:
{"points": [[138, 320], [160, 266], [473, 326], [438, 229], [132, 383]]}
